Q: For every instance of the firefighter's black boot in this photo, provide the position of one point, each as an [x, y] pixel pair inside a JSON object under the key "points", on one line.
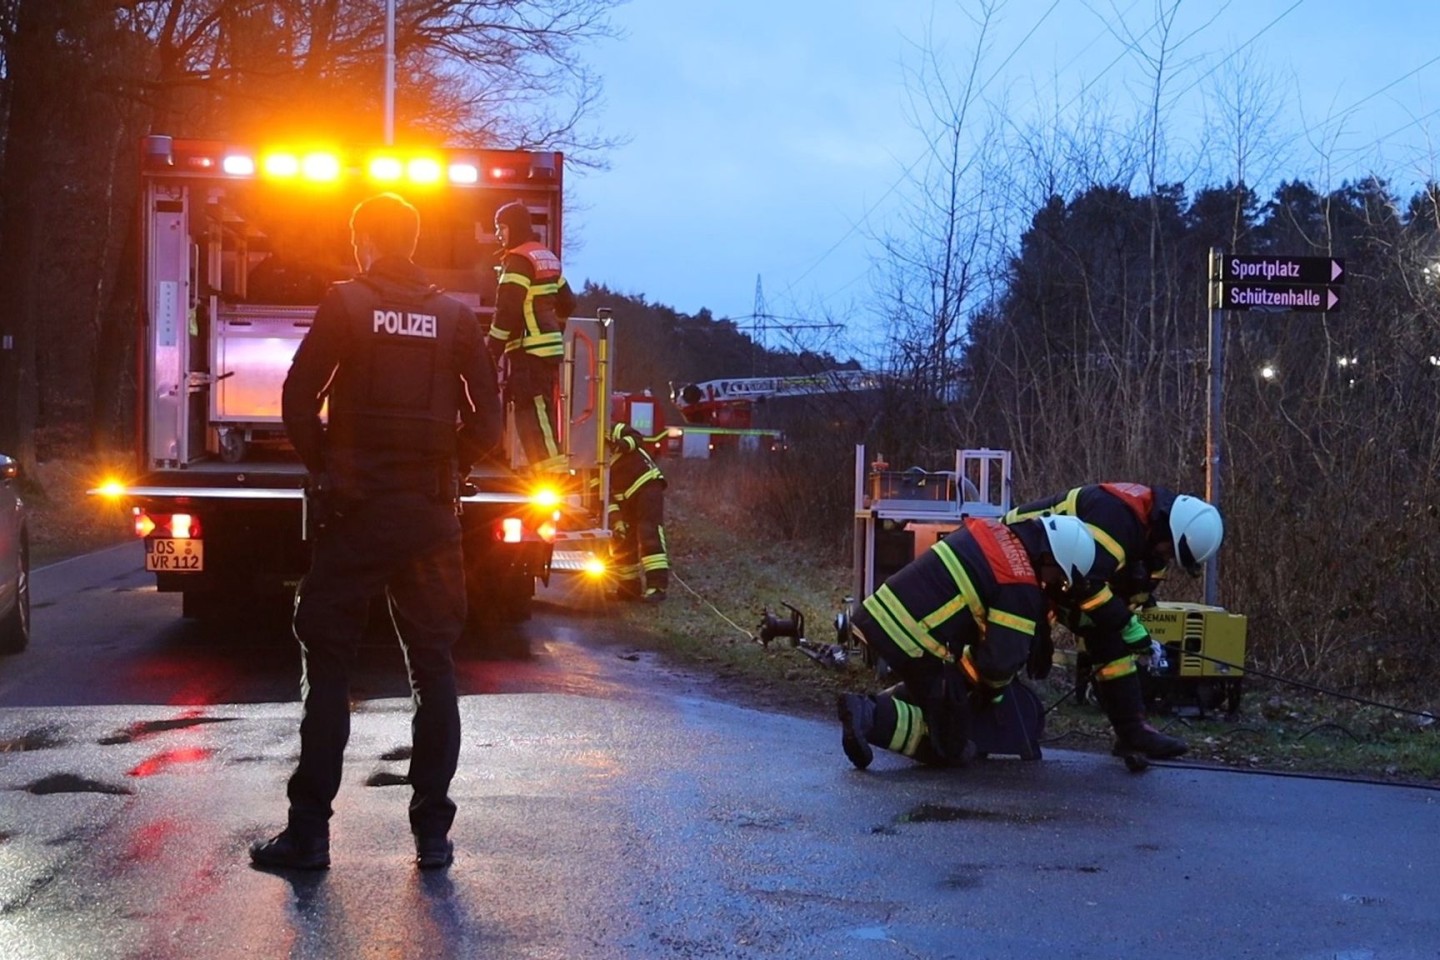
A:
{"points": [[659, 583], [857, 717], [1125, 707]]}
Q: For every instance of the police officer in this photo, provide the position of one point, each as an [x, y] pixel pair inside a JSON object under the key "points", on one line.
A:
{"points": [[957, 624], [397, 361], [1141, 531], [637, 519], [532, 303]]}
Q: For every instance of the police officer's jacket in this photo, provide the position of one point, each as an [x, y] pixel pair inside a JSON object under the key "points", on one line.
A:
{"points": [[631, 470], [1126, 520], [412, 395], [977, 584], [532, 303]]}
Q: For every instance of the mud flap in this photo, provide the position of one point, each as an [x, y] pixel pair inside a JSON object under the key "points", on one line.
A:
{"points": [[1012, 727]]}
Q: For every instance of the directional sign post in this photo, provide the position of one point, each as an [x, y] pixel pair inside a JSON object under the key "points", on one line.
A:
{"points": [[1303, 284], [1269, 283]]}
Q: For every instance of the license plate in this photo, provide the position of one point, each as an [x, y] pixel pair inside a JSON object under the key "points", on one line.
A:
{"points": [[172, 555]]}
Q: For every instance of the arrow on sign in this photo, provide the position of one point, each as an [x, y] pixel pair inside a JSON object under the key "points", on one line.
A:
{"points": [[1336, 269]]}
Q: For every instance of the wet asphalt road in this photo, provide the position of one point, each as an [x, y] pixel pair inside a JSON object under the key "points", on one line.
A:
{"points": [[610, 808]]}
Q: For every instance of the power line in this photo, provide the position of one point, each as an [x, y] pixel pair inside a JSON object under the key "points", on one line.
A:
{"points": [[904, 174], [1236, 52], [930, 146]]}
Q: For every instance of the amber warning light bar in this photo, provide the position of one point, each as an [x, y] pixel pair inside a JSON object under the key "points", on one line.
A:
{"points": [[318, 166]]}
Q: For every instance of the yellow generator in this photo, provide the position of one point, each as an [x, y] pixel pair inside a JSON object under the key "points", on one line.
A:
{"points": [[1201, 660]]}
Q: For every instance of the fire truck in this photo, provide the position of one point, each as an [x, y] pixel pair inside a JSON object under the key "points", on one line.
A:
{"points": [[239, 243], [720, 413]]}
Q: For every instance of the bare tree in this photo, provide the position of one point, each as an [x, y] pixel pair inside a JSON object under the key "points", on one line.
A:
{"points": [[504, 72], [938, 262]]}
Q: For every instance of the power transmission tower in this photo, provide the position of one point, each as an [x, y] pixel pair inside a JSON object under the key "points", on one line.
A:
{"points": [[761, 321]]}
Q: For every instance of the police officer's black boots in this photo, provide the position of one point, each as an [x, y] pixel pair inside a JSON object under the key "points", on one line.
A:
{"points": [[857, 718], [1123, 704], [289, 850], [432, 853]]}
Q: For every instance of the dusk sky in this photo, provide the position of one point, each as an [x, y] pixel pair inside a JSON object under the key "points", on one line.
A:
{"points": [[778, 137]]}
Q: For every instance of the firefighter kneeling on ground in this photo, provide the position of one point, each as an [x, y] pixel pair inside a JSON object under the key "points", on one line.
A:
{"points": [[1141, 531], [637, 519], [956, 625]]}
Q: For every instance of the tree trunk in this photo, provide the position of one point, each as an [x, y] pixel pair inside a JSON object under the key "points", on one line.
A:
{"points": [[35, 70]]}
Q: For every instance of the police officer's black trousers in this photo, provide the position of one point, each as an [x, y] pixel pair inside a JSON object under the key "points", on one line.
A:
{"points": [[408, 547]]}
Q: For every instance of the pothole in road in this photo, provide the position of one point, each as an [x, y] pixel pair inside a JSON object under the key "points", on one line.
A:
{"points": [[41, 738], [942, 813], [386, 780], [71, 783], [148, 728]]}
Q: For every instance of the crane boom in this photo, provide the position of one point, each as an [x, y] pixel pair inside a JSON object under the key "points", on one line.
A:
{"points": [[729, 389]]}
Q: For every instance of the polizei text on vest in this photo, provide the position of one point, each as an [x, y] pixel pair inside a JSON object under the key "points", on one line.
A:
{"points": [[405, 324]]}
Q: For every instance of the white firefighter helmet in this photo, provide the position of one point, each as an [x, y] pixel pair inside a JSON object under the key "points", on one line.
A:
{"points": [[1070, 544], [1196, 530]]}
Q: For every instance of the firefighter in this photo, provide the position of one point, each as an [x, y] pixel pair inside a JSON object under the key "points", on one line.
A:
{"points": [[1142, 531], [399, 363], [956, 625], [637, 519], [532, 303]]}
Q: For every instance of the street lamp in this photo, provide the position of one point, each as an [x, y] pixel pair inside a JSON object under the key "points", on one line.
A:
{"points": [[1268, 372]]}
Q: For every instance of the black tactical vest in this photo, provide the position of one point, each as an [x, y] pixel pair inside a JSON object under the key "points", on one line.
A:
{"points": [[396, 396]]}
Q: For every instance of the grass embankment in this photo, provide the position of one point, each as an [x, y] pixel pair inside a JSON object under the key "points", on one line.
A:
{"points": [[728, 571], [64, 520]]}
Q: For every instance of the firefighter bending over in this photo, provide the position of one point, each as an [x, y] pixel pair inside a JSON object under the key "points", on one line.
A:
{"points": [[400, 364], [957, 624], [637, 519], [1140, 531], [532, 303]]}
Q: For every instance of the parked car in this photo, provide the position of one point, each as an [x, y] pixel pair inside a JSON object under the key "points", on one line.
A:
{"points": [[14, 561]]}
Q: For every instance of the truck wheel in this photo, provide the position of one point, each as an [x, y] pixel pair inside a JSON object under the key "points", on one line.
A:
{"points": [[240, 612], [494, 610], [203, 606], [15, 627]]}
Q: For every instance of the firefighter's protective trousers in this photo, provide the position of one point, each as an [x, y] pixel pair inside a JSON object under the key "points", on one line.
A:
{"points": [[641, 557], [406, 545], [530, 387], [926, 718]]}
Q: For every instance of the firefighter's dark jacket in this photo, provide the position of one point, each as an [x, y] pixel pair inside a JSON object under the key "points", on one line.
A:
{"points": [[532, 303], [1126, 520], [631, 468], [397, 360], [977, 583]]}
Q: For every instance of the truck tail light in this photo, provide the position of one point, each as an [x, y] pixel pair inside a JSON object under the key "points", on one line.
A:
{"points": [[182, 526], [512, 530], [547, 531]]}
